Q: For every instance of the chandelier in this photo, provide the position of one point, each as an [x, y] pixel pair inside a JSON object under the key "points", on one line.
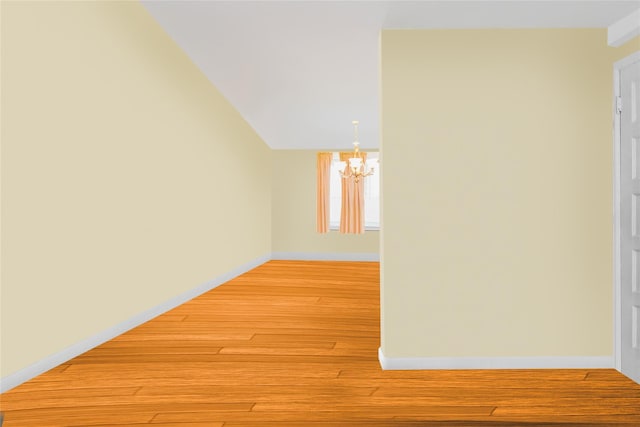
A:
{"points": [[356, 167]]}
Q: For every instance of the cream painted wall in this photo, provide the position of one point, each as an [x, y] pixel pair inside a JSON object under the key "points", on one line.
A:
{"points": [[127, 178], [294, 210], [497, 209]]}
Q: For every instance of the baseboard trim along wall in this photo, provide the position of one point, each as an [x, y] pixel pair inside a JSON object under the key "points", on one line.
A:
{"points": [[387, 363], [31, 371], [325, 256], [550, 362]]}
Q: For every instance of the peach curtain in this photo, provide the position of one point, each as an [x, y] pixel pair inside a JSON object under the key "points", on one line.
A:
{"points": [[322, 193], [352, 212]]}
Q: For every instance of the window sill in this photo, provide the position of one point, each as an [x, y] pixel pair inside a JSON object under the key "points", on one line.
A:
{"points": [[366, 228]]}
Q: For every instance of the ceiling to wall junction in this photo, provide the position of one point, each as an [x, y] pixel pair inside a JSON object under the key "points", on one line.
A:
{"points": [[300, 71]]}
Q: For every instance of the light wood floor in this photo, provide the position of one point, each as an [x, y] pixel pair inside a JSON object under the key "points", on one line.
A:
{"points": [[295, 344]]}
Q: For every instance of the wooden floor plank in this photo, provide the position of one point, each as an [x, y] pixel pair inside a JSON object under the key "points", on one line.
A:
{"points": [[294, 343], [180, 424]]}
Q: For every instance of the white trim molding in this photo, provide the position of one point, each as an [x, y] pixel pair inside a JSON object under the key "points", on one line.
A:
{"points": [[624, 30], [543, 362], [35, 369], [326, 256]]}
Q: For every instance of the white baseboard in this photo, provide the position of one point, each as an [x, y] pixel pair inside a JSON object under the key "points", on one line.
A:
{"points": [[31, 371], [325, 256], [545, 362]]}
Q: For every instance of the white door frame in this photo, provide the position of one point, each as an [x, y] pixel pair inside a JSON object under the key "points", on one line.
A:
{"points": [[617, 285]]}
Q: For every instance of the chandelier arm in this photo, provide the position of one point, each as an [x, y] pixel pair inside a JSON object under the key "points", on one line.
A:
{"points": [[360, 169]]}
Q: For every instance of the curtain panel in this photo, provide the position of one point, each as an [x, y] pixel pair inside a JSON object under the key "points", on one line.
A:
{"points": [[322, 193], [352, 209]]}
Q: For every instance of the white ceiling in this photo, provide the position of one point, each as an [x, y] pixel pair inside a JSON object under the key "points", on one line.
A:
{"points": [[300, 71]]}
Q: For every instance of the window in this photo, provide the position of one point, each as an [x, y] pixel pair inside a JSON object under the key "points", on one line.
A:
{"points": [[371, 194]]}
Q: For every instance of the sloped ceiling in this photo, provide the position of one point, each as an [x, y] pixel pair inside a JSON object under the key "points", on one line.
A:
{"points": [[300, 71]]}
